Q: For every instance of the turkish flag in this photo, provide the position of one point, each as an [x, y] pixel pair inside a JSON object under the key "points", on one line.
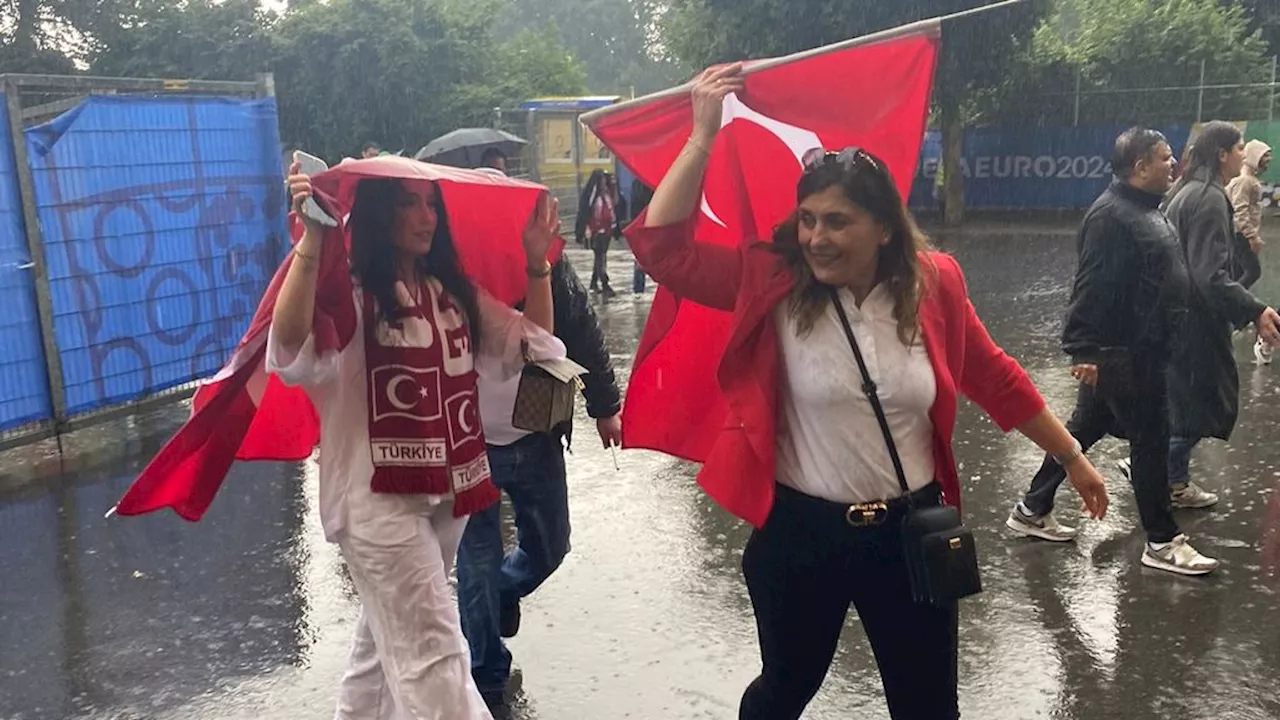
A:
{"points": [[242, 413], [871, 93]]}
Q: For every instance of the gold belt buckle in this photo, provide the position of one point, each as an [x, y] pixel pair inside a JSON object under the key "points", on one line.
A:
{"points": [[864, 514]]}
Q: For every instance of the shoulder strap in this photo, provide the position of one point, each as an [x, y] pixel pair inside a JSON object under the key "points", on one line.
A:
{"points": [[869, 387]]}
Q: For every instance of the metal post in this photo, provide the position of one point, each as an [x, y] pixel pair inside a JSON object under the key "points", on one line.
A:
{"points": [[35, 246], [1200, 95], [1271, 93], [534, 148], [266, 85], [497, 118], [1076, 121], [576, 127]]}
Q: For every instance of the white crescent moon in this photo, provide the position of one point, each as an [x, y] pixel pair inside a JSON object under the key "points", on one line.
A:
{"points": [[467, 428], [797, 139], [392, 389]]}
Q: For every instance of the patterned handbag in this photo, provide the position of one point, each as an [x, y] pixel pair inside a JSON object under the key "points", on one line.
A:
{"points": [[545, 398]]}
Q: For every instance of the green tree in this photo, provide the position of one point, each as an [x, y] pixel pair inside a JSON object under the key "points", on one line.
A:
{"points": [[1129, 56], [977, 52], [614, 39], [204, 39], [401, 72]]}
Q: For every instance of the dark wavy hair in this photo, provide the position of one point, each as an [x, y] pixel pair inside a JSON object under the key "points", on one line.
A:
{"points": [[373, 252], [1202, 157], [866, 183]]}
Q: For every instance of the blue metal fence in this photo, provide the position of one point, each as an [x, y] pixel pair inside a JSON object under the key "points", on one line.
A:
{"points": [[24, 387], [163, 221]]}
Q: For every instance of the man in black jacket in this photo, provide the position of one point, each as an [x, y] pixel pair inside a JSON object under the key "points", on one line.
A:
{"points": [[1127, 307], [530, 468]]}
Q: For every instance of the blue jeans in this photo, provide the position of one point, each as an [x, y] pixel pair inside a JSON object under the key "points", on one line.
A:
{"points": [[531, 472], [1180, 459]]}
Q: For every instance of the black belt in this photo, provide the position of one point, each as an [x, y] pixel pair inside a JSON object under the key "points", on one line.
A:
{"points": [[857, 515]]}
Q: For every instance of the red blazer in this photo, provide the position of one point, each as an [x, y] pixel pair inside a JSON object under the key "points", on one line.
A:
{"points": [[750, 282]]}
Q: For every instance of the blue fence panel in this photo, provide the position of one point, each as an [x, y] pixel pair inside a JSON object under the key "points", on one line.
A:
{"points": [[163, 221], [1052, 168], [24, 385]]}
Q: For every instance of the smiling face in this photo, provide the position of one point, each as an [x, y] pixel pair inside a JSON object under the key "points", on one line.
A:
{"points": [[414, 225], [840, 240]]}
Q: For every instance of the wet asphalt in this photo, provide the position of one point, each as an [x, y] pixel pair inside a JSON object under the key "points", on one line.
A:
{"points": [[248, 614]]}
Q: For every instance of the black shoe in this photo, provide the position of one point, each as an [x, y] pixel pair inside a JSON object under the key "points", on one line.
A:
{"points": [[509, 619]]}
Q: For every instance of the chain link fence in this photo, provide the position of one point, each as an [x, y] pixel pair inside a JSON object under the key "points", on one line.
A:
{"points": [[1200, 92]]}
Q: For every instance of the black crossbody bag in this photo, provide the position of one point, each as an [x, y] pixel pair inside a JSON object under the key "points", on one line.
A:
{"points": [[941, 557]]}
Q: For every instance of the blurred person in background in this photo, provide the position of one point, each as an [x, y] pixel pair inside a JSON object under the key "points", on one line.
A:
{"points": [[494, 158], [1245, 192], [1127, 307], [1204, 385], [597, 224], [530, 469]]}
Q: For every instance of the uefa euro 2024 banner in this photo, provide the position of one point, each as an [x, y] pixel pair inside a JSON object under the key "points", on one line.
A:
{"points": [[1017, 168]]}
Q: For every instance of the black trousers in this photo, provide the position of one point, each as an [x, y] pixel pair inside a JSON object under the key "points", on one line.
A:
{"points": [[600, 268], [1139, 412], [803, 570]]}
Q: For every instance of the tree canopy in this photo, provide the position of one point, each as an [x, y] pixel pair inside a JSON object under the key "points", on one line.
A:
{"points": [[398, 72]]}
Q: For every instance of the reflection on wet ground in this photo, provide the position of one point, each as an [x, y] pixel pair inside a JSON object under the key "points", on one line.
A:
{"points": [[248, 614]]}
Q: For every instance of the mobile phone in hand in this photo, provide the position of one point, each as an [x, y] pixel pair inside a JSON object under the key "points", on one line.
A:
{"points": [[312, 165]]}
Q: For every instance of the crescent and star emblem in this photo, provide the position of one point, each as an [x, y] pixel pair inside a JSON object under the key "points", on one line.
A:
{"points": [[464, 416], [393, 392], [797, 139]]}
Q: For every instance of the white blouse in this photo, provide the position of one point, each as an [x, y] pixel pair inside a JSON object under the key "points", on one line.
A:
{"points": [[336, 383], [829, 442]]}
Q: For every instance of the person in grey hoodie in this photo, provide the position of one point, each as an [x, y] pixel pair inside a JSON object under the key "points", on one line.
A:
{"points": [[1245, 193]]}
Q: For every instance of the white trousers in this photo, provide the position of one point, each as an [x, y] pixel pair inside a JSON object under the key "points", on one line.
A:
{"points": [[409, 659]]}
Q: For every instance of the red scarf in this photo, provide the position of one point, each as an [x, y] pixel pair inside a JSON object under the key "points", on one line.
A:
{"points": [[425, 435]]}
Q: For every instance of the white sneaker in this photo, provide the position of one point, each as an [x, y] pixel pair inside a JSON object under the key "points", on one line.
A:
{"points": [[1261, 353], [1045, 527], [1178, 557], [1192, 497]]}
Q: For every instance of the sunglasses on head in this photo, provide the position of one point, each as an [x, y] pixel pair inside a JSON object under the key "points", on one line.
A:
{"points": [[848, 159]]}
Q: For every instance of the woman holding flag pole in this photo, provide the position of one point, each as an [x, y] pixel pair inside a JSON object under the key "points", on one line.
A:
{"points": [[850, 343]]}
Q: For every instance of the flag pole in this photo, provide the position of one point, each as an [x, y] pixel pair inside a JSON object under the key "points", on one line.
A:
{"points": [[932, 26]]}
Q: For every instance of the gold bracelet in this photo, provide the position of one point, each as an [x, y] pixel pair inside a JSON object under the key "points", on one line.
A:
{"points": [[304, 256], [698, 146]]}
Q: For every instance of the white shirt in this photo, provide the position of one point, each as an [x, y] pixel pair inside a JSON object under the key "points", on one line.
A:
{"points": [[336, 381], [497, 403], [829, 443]]}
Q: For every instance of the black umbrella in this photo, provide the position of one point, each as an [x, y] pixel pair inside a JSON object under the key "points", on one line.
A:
{"points": [[463, 148]]}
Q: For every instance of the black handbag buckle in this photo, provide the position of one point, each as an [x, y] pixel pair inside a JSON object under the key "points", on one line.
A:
{"points": [[865, 514]]}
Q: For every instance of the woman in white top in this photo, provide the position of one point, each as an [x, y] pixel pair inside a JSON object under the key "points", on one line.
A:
{"points": [[803, 457], [402, 458]]}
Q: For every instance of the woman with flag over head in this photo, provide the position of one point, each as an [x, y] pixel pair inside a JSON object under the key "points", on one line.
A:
{"points": [[851, 341], [402, 454]]}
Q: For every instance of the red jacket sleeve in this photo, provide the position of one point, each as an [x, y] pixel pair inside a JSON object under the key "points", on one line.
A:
{"points": [[701, 272], [989, 377]]}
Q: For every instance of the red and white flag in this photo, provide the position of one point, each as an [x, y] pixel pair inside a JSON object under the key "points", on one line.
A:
{"points": [[872, 93], [244, 414]]}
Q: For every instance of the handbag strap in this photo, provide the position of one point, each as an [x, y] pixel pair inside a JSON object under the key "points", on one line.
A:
{"points": [[869, 387]]}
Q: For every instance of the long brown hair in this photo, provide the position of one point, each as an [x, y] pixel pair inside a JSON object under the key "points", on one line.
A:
{"points": [[866, 183]]}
